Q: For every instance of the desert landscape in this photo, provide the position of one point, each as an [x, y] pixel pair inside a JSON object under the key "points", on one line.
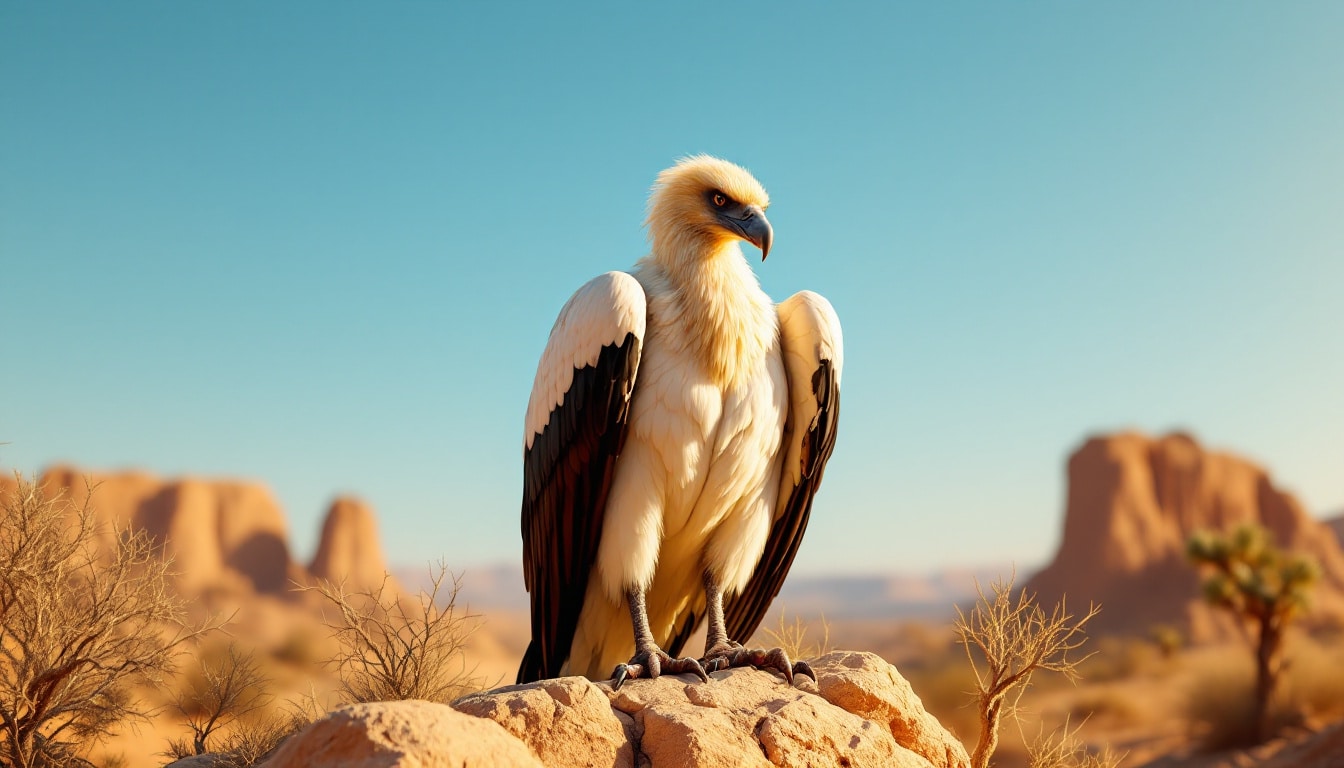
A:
{"points": [[1164, 677], [430, 385]]}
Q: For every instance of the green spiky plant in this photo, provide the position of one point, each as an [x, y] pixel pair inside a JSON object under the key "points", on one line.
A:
{"points": [[1262, 586]]}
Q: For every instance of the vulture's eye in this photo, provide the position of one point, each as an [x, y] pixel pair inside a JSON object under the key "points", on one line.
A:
{"points": [[719, 200]]}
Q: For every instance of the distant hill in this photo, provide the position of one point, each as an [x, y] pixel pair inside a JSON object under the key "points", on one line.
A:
{"points": [[1336, 524], [1133, 501], [878, 596]]}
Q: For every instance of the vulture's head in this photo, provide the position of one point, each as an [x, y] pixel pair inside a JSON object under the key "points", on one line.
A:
{"points": [[703, 202]]}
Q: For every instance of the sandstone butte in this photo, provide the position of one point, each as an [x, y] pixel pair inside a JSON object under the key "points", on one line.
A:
{"points": [[860, 712], [1133, 502], [225, 537]]}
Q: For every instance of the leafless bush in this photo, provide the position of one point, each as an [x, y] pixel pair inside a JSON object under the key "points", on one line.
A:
{"points": [[79, 624], [230, 687], [1016, 639], [395, 648]]}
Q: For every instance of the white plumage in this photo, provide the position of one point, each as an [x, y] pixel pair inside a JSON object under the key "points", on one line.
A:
{"points": [[676, 432]]}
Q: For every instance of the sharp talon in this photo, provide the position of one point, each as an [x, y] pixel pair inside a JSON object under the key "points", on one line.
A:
{"points": [[803, 668], [699, 670], [618, 677], [779, 661]]}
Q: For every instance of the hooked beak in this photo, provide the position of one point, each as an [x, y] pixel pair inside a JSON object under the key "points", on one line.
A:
{"points": [[753, 227]]}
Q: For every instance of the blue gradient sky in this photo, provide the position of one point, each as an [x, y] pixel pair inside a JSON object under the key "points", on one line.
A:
{"points": [[321, 245]]}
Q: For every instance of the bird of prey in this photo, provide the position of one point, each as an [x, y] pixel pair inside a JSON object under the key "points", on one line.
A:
{"points": [[676, 433]]}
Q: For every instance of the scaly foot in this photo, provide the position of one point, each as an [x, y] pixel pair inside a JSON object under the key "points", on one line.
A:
{"points": [[730, 654], [651, 664]]}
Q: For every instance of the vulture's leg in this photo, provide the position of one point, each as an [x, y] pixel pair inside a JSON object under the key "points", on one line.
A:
{"points": [[723, 653], [649, 660]]}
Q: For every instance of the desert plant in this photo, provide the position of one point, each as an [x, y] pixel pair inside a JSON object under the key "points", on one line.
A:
{"points": [[794, 639], [1264, 588], [395, 647], [230, 687], [1016, 639], [1063, 748], [1168, 639], [79, 623]]}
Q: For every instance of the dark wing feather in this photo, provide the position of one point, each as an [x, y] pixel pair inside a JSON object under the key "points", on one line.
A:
{"points": [[568, 473], [576, 426]]}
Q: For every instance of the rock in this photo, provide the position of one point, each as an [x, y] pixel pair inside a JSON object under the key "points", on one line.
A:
{"points": [[1133, 502], [401, 734], [197, 761], [348, 551], [1336, 524], [877, 692], [861, 712], [558, 718], [222, 534], [227, 538]]}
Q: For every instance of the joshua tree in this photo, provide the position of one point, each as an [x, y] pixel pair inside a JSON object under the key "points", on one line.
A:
{"points": [[1015, 638], [1264, 587]]}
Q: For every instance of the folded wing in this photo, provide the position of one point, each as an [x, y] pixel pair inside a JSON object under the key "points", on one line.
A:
{"points": [[813, 357], [576, 424]]}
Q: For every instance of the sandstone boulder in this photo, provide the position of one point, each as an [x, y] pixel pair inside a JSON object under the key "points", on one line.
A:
{"points": [[1133, 502], [401, 734], [861, 712]]}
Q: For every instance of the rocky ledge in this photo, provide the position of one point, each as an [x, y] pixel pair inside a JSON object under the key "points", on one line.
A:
{"points": [[860, 712]]}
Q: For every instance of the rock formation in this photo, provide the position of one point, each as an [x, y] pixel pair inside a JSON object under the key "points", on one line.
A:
{"points": [[860, 712], [1336, 524], [349, 550], [402, 734], [225, 536], [1133, 502]]}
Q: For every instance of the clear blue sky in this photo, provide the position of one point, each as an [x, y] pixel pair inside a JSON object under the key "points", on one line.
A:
{"points": [[321, 245]]}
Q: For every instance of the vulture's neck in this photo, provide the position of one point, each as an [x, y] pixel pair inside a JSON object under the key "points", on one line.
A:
{"points": [[728, 319]]}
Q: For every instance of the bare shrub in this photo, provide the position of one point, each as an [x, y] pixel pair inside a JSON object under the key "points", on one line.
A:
{"points": [[229, 687], [79, 623], [394, 648], [795, 639], [1015, 639]]}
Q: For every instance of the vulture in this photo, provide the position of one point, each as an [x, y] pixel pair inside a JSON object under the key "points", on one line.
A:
{"points": [[675, 437]]}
